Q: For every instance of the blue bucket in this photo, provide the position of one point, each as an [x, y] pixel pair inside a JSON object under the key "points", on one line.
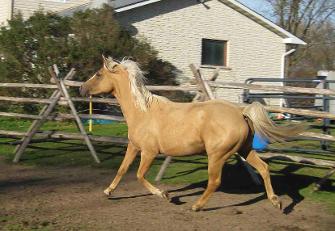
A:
{"points": [[259, 143]]}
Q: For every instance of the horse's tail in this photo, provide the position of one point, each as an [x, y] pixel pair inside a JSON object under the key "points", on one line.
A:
{"points": [[266, 128]]}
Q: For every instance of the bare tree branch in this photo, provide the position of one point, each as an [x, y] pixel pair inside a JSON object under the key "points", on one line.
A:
{"points": [[310, 20]]}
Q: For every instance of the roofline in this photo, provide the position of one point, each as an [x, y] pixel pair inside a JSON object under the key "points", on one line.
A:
{"points": [[294, 40], [288, 37], [136, 5]]}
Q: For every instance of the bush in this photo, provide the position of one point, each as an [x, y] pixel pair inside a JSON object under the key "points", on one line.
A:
{"points": [[29, 47]]}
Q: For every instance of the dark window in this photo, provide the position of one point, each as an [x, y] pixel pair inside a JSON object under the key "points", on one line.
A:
{"points": [[214, 52]]}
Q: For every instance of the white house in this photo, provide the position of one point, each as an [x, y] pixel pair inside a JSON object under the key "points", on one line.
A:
{"points": [[213, 33], [5, 11]]}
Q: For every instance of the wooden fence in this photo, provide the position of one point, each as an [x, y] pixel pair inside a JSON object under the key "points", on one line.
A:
{"points": [[202, 87]]}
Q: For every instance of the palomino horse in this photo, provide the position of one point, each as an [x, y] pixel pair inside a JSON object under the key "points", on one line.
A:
{"points": [[157, 125]]}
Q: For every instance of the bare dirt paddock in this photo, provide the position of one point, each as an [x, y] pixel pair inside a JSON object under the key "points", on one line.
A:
{"points": [[34, 198]]}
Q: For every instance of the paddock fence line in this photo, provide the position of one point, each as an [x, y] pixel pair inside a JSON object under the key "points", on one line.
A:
{"points": [[186, 88], [202, 87]]}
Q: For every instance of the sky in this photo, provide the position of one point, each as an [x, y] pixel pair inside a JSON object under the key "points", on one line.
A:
{"points": [[260, 6]]}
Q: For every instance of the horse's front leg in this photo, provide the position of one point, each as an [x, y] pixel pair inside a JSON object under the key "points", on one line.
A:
{"points": [[128, 159], [146, 161]]}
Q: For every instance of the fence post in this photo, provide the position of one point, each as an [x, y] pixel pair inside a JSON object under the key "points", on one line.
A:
{"points": [[62, 87], [36, 125], [326, 122]]}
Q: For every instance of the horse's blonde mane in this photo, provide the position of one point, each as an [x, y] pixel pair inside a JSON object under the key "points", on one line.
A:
{"points": [[143, 97]]}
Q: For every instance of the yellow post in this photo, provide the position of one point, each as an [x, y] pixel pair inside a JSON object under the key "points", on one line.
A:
{"points": [[90, 122]]}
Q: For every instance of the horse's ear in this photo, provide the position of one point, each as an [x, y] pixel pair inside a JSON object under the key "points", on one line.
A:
{"points": [[103, 58], [109, 63]]}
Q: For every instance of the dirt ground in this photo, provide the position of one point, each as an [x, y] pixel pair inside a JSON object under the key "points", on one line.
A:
{"points": [[71, 199]]}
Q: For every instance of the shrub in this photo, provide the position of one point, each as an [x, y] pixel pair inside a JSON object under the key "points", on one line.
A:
{"points": [[29, 47]]}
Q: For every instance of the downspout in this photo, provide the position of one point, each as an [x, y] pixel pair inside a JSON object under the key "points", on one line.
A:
{"points": [[282, 74], [12, 10]]}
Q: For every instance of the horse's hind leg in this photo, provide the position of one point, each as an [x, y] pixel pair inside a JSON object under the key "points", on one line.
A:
{"points": [[128, 159], [254, 160], [215, 165], [146, 161]]}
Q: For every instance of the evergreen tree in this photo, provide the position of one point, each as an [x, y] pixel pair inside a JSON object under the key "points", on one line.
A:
{"points": [[29, 47]]}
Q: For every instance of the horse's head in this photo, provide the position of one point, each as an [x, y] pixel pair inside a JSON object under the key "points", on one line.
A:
{"points": [[103, 81]]}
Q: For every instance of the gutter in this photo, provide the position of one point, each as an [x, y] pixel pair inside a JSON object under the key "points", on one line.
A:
{"points": [[139, 4], [294, 40]]}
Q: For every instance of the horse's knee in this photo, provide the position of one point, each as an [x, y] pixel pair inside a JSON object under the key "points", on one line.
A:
{"points": [[139, 176], [214, 183]]}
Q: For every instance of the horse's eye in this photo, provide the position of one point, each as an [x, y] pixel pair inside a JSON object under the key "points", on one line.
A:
{"points": [[98, 75]]}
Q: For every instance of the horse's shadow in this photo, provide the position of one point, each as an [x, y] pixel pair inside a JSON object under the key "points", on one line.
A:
{"points": [[237, 181]]}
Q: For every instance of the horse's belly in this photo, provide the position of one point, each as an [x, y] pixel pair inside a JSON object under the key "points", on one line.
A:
{"points": [[181, 147]]}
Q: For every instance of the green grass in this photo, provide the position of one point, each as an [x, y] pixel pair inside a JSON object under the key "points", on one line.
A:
{"points": [[294, 179]]}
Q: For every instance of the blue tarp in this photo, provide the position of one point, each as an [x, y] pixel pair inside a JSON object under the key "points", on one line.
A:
{"points": [[259, 143], [97, 121]]}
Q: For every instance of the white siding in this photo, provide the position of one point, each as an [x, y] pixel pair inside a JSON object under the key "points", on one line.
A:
{"points": [[176, 28], [5, 11], [28, 7]]}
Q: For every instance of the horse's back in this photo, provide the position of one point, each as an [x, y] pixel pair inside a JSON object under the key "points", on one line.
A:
{"points": [[191, 127], [199, 114]]}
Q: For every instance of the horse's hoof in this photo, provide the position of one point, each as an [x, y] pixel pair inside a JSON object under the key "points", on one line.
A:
{"points": [[107, 192], [165, 195], [276, 202], [196, 208]]}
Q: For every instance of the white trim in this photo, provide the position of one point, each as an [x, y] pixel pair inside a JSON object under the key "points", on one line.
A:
{"points": [[290, 39], [139, 4], [294, 41]]}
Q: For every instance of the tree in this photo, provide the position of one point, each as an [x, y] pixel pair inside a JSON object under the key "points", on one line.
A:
{"points": [[300, 16], [29, 47], [306, 19], [321, 53]]}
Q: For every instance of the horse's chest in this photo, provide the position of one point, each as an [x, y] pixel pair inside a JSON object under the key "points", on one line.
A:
{"points": [[142, 139]]}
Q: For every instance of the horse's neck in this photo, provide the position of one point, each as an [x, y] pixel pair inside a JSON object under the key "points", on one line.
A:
{"points": [[127, 101]]}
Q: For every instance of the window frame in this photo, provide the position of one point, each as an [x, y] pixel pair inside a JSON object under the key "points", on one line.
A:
{"points": [[225, 52]]}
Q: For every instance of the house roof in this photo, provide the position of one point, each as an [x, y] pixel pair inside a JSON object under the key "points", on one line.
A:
{"points": [[125, 5]]}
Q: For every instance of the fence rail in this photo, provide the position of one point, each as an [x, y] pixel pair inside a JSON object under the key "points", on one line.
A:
{"points": [[186, 87], [286, 89], [70, 83], [63, 116], [65, 135]]}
